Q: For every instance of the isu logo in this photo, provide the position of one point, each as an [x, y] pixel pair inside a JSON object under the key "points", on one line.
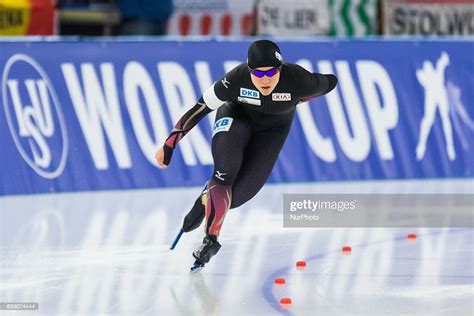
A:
{"points": [[34, 116]]}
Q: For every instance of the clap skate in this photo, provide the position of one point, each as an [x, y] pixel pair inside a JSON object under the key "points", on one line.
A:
{"points": [[210, 246]]}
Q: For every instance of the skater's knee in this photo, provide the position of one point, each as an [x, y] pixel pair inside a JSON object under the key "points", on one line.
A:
{"points": [[244, 191]]}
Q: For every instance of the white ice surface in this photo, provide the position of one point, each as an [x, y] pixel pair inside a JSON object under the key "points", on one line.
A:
{"points": [[107, 253]]}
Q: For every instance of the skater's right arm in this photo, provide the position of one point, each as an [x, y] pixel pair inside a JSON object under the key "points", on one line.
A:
{"points": [[182, 127], [214, 97]]}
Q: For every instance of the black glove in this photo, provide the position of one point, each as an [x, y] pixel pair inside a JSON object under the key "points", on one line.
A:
{"points": [[168, 151]]}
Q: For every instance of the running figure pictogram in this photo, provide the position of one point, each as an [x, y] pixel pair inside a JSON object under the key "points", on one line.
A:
{"points": [[436, 97]]}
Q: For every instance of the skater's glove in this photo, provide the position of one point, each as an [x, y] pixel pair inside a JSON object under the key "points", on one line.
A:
{"points": [[168, 152]]}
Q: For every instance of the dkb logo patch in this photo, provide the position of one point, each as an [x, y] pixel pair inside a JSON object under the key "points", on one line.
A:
{"points": [[222, 125]]}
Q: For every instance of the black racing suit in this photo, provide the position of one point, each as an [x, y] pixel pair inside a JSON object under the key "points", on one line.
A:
{"points": [[249, 132]]}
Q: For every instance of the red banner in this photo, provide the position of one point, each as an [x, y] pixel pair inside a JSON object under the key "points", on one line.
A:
{"points": [[212, 17], [27, 17]]}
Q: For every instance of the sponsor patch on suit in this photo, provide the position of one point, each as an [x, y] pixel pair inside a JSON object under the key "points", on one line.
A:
{"points": [[249, 93], [281, 96], [222, 125], [249, 101]]}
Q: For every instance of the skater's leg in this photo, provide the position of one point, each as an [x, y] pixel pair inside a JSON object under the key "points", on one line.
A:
{"points": [[447, 129], [425, 127], [219, 197], [217, 205], [194, 218], [228, 145], [260, 157]]}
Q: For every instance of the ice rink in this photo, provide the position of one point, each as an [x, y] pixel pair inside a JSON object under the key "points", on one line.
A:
{"points": [[107, 253]]}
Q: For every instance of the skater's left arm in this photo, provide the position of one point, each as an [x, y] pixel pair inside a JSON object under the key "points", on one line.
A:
{"points": [[312, 85]]}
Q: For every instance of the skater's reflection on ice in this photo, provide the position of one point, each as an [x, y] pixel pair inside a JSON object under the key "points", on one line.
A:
{"points": [[208, 301]]}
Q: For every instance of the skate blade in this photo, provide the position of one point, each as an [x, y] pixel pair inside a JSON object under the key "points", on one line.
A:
{"points": [[197, 266]]}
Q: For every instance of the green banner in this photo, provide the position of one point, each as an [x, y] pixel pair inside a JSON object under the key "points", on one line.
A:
{"points": [[353, 17]]}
